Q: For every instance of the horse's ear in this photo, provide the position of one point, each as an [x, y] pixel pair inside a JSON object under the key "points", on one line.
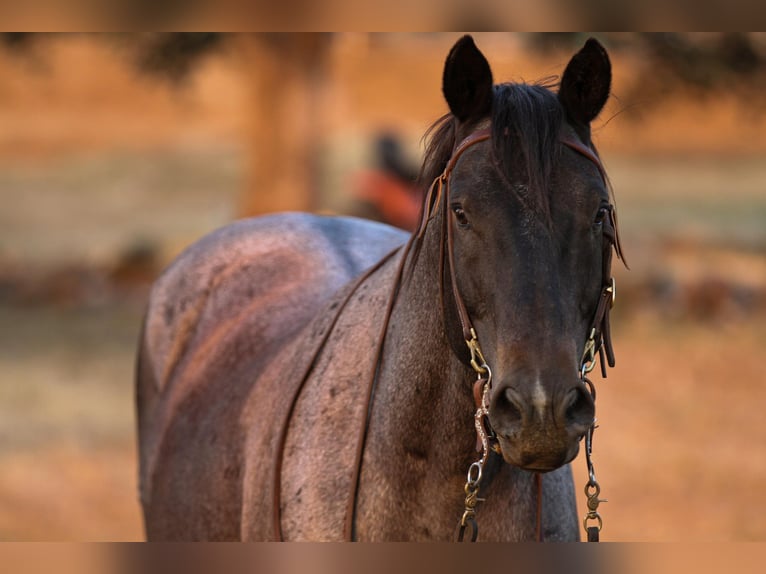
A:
{"points": [[467, 81], [586, 83]]}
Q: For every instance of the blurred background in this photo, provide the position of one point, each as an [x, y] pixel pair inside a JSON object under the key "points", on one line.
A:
{"points": [[117, 151]]}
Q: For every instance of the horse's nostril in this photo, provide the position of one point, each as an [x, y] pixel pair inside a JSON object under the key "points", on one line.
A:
{"points": [[580, 410], [507, 408]]}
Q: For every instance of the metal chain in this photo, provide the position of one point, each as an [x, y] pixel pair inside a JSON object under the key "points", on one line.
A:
{"points": [[592, 522], [468, 520]]}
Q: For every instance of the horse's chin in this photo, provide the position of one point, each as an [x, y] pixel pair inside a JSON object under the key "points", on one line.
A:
{"points": [[534, 460]]}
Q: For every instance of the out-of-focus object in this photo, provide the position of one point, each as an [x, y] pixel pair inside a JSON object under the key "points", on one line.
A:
{"points": [[387, 192]]}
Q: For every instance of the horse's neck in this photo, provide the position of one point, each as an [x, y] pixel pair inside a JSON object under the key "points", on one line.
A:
{"points": [[422, 414], [423, 374]]}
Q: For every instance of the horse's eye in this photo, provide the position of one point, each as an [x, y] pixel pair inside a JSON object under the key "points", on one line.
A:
{"points": [[460, 215], [600, 216]]}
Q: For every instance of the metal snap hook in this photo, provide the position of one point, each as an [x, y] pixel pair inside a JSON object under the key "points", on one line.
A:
{"points": [[478, 362]]}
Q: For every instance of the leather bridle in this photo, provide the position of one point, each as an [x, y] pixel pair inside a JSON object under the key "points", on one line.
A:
{"points": [[599, 341], [599, 331]]}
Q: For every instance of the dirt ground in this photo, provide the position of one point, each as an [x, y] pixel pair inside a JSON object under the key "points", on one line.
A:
{"points": [[679, 451]]}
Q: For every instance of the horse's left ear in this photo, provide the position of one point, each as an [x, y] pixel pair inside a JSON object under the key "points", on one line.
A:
{"points": [[467, 81], [586, 83]]}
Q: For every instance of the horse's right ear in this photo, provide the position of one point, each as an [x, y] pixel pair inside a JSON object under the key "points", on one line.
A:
{"points": [[467, 81]]}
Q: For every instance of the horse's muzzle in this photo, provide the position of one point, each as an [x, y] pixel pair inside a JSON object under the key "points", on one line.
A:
{"points": [[540, 434]]}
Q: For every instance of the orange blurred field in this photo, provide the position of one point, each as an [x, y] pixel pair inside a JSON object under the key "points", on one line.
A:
{"points": [[98, 162]]}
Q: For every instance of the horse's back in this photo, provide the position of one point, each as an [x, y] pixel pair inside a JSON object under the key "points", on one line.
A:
{"points": [[215, 320]]}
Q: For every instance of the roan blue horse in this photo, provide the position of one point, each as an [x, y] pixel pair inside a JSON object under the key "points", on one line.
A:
{"points": [[327, 378]]}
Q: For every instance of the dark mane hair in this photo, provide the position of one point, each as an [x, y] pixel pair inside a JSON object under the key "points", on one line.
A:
{"points": [[526, 126]]}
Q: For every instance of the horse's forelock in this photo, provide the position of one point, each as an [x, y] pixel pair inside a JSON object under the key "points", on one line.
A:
{"points": [[526, 127]]}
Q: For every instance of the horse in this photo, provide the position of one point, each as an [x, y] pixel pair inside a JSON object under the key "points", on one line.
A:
{"points": [[308, 377]]}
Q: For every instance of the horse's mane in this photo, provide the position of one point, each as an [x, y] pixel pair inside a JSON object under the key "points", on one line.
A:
{"points": [[526, 126]]}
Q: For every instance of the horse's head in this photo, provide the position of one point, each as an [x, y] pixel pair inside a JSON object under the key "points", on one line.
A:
{"points": [[530, 224]]}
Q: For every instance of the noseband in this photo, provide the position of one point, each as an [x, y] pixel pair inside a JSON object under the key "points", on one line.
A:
{"points": [[598, 340]]}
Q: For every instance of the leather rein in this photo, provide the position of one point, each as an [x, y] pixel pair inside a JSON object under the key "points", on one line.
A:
{"points": [[599, 341]]}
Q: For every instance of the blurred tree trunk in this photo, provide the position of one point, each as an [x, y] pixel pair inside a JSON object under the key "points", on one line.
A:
{"points": [[287, 72]]}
